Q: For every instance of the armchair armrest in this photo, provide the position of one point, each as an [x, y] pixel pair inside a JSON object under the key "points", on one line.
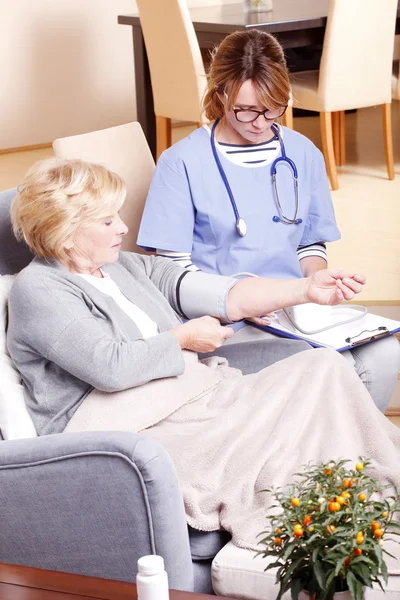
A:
{"points": [[92, 503]]}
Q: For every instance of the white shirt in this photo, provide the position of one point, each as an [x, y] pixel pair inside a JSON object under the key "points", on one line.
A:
{"points": [[107, 286]]}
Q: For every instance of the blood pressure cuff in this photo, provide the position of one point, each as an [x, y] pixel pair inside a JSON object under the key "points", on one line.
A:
{"points": [[200, 294]]}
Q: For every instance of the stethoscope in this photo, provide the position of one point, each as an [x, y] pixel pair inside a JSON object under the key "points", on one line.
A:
{"points": [[241, 226]]}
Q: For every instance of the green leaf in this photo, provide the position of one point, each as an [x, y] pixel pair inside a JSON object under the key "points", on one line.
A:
{"points": [[384, 572], [352, 583], [273, 565], [339, 566], [330, 577], [378, 552], [388, 553], [296, 589], [362, 573], [289, 550], [319, 574]]}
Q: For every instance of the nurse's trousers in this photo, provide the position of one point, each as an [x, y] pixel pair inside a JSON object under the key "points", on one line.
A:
{"points": [[377, 364]]}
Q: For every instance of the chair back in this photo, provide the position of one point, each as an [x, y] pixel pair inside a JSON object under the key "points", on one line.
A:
{"points": [[356, 62], [14, 254], [124, 150], [177, 72]]}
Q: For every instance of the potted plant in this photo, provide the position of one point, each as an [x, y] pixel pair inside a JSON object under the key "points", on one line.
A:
{"points": [[328, 531]]}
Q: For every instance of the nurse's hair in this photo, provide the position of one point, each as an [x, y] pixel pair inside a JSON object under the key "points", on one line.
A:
{"points": [[56, 197], [244, 55]]}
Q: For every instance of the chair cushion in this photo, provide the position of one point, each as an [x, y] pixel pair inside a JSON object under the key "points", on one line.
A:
{"points": [[204, 545], [14, 255], [305, 91], [15, 421], [239, 573]]}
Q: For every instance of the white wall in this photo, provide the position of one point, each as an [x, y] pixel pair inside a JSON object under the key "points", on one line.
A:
{"points": [[66, 67]]}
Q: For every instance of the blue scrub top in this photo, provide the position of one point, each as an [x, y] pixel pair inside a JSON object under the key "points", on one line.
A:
{"points": [[188, 208]]}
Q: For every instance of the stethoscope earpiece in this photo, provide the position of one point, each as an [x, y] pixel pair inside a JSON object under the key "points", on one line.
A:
{"points": [[241, 226]]}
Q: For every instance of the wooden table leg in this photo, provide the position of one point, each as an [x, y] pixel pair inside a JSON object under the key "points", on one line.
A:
{"points": [[144, 92]]}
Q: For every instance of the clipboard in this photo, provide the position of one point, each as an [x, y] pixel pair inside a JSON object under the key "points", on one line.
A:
{"points": [[341, 337]]}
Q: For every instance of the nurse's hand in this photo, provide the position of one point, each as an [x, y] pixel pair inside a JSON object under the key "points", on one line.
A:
{"points": [[332, 286], [204, 334]]}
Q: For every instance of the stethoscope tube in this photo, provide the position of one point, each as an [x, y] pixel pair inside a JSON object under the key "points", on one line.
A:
{"points": [[241, 226]]}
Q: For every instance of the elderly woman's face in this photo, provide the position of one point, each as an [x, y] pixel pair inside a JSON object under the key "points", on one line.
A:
{"points": [[98, 244]]}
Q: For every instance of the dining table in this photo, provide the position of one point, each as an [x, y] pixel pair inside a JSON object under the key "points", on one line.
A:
{"points": [[295, 23]]}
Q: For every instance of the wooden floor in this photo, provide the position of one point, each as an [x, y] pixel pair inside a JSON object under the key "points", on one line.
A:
{"points": [[367, 205]]}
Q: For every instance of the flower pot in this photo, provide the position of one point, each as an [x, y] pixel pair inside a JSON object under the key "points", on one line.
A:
{"points": [[337, 596]]}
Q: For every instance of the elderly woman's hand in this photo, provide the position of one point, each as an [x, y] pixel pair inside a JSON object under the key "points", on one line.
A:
{"points": [[333, 286], [204, 334]]}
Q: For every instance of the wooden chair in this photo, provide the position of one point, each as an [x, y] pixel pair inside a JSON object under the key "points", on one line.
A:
{"points": [[124, 150], [177, 71], [355, 72]]}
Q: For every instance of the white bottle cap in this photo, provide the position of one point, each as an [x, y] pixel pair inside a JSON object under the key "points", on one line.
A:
{"points": [[151, 564]]}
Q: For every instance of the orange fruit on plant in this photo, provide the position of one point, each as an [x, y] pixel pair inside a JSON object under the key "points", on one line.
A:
{"points": [[375, 525], [328, 471], [359, 466], [362, 497], [378, 533], [278, 541], [333, 506], [295, 501], [341, 500], [346, 495], [307, 520], [357, 551], [385, 513], [298, 532], [360, 538], [347, 483], [310, 529], [347, 561], [330, 529]]}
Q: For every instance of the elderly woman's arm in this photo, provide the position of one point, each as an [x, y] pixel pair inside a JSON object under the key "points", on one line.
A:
{"points": [[50, 319], [253, 297]]}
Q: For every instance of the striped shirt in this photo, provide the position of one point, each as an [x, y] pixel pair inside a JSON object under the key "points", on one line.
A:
{"points": [[184, 259]]}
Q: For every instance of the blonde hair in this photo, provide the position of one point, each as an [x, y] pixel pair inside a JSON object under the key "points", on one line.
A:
{"points": [[244, 55], [59, 195]]}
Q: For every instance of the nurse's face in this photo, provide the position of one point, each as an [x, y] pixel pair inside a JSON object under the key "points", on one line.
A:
{"points": [[255, 132]]}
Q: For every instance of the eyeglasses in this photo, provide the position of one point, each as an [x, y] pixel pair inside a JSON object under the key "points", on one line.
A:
{"points": [[244, 115]]}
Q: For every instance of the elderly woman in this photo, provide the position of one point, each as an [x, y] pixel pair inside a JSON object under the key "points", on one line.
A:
{"points": [[98, 337]]}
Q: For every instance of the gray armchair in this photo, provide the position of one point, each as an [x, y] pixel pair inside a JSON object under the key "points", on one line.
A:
{"points": [[93, 503]]}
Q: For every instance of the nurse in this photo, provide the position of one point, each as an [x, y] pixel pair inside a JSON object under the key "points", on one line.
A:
{"points": [[245, 194]]}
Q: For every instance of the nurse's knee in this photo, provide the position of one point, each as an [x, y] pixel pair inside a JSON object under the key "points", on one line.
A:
{"points": [[382, 356]]}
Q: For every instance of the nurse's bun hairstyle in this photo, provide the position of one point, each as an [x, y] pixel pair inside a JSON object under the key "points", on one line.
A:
{"points": [[244, 55]]}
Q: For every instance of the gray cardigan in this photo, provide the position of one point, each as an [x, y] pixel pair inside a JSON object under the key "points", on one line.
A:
{"points": [[67, 338]]}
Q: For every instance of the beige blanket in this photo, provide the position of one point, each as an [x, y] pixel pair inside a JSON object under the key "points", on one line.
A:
{"points": [[241, 434]]}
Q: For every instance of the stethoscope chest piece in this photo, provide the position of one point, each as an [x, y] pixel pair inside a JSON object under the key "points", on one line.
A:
{"points": [[241, 227]]}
